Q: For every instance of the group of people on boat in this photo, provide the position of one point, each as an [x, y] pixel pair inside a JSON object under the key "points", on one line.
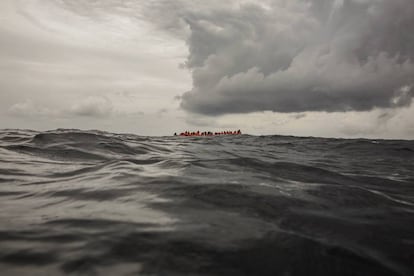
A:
{"points": [[209, 133]]}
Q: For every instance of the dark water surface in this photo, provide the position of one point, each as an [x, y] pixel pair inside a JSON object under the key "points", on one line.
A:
{"points": [[97, 203]]}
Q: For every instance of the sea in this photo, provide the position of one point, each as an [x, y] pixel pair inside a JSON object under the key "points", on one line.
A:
{"points": [[97, 203]]}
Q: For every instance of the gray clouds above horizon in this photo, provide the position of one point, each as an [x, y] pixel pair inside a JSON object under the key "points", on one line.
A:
{"points": [[294, 56], [71, 64], [158, 66]]}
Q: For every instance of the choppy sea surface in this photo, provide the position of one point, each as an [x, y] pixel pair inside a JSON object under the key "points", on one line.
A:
{"points": [[97, 203]]}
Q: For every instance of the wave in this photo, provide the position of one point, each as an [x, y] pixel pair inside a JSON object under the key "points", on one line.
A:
{"points": [[93, 202]]}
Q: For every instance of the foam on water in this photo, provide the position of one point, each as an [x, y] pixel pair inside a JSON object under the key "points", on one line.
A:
{"points": [[92, 202]]}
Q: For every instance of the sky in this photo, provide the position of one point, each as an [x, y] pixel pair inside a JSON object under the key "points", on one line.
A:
{"points": [[330, 68]]}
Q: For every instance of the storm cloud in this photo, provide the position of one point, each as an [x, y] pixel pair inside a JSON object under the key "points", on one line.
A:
{"points": [[295, 56], [270, 66]]}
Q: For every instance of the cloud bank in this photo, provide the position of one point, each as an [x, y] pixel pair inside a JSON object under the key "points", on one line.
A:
{"points": [[267, 66], [93, 107], [295, 56]]}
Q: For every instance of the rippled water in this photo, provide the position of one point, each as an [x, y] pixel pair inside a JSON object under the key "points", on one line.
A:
{"points": [[90, 202]]}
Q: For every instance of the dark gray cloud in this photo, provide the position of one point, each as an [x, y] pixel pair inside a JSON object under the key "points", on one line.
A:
{"points": [[102, 64], [295, 56]]}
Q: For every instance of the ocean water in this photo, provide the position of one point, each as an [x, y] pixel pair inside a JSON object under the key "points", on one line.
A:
{"points": [[97, 203]]}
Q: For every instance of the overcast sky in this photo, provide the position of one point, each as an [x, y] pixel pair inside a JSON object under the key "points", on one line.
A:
{"points": [[341, 68]]}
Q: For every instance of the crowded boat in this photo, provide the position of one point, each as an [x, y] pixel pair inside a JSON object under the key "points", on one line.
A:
{"points": [[208, 133]]}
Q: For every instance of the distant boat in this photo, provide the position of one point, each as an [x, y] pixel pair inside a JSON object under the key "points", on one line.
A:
{"points": [[208, 133]]}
